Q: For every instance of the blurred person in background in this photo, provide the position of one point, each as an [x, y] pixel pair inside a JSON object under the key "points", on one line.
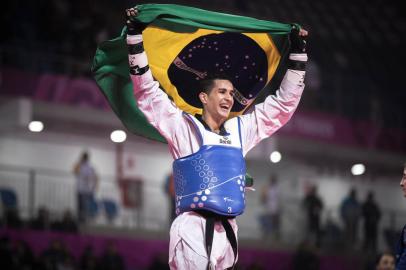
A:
{"points": [[401, 245], [56, 257], [270, 221], [17, 256], [371, 214], [23, 257], [86, 185], [6, 253], [385, 261], [306, 257], [313, 206], [253, 266], [88, 260], [332, 235], [66, 224], [13, 219], [111, 259], [42, 221], [350, 210], [206, 238], [159, 262]]}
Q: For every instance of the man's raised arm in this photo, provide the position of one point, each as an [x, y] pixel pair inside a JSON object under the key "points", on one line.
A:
{"points": [[151, 100], [276, 110]]}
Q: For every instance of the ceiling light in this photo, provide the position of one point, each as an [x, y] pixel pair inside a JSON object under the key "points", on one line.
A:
{"points": [[275, 157], [118, 136], [35, 126], [358, 169]]}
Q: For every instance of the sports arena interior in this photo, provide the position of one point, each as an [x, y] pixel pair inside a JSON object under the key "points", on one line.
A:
{"points": [[348, 134]]}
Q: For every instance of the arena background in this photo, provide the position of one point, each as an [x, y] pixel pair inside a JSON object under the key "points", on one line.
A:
{"points": [[352, 112]]}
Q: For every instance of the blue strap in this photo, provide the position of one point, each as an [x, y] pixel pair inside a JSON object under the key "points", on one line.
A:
{"points": [[239, 131]]}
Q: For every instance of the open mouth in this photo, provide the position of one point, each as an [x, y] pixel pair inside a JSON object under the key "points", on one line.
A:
{"points": [[225, 106]]}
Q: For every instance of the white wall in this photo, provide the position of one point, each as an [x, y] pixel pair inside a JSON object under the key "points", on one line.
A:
{"points": [[151, 162], [144, 160], [293, 178]]}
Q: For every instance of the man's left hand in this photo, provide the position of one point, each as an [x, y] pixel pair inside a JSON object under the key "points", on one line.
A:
{"points": [[298, 40]]}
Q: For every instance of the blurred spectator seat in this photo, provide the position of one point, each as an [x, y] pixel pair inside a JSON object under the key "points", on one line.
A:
{"points": [[92, 207], [9, 204], [110, 209], [8, 198]]}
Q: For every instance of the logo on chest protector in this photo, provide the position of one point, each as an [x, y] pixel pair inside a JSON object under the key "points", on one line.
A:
{"points": [[228, 199], [225, 140]]}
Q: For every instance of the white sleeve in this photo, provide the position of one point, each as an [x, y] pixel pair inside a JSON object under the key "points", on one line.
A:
{"points": [[159, 110], [274, 112]]}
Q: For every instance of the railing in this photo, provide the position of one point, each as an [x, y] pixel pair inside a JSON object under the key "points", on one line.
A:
{"points": [[56, 190], [39, 187]]}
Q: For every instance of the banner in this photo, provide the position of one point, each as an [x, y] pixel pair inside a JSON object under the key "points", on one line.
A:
{"points": [[185, 45]]}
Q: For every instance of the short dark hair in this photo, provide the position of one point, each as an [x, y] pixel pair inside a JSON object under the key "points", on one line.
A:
{"points": [[380, 255], [85, 156], [206, 84]]}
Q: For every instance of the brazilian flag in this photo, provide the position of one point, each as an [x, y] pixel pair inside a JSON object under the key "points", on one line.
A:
{"points": [[184, 45]]}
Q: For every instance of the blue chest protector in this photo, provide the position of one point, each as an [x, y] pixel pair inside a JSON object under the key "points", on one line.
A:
{"points": [[213, 178]]}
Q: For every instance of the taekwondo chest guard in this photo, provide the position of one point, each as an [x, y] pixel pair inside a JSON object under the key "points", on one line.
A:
{"points": [[212, 178]]}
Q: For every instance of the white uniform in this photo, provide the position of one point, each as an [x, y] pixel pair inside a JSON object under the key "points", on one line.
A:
{"points": [[187, 246]]}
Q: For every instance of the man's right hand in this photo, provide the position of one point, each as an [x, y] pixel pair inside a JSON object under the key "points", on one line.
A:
{"points": [[133, 27]]}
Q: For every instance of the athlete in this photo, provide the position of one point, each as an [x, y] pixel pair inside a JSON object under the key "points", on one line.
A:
{"points": [[209, 150]]}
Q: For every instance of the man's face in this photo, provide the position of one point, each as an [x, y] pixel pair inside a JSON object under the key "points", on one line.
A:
{"points": [[219, 101], [403, 182], [386, 262]]}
